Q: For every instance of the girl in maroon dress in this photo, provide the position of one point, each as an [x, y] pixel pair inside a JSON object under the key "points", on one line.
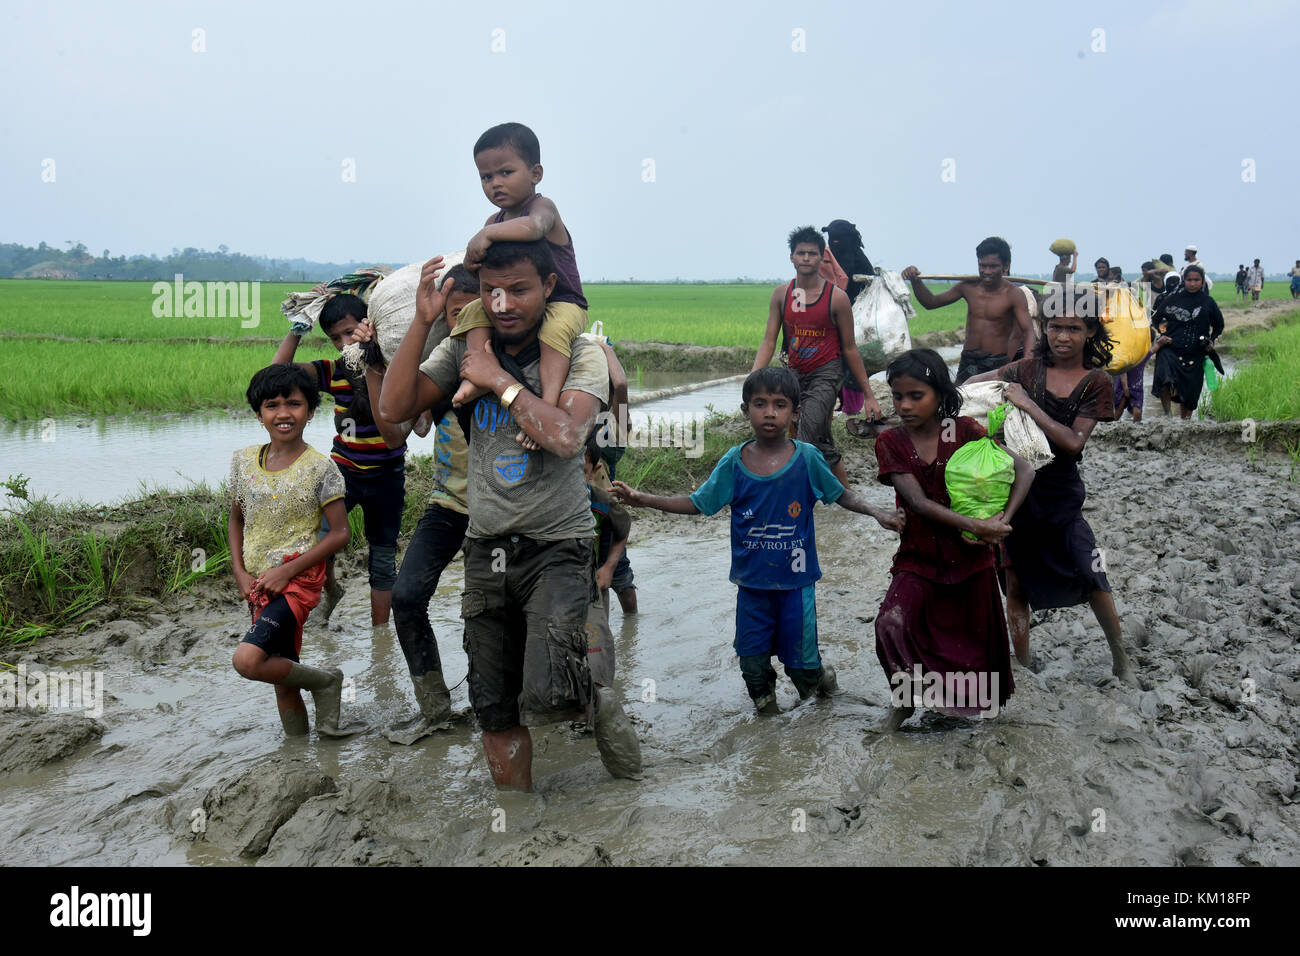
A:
{"points": [[941, 621], [1053, 557]]}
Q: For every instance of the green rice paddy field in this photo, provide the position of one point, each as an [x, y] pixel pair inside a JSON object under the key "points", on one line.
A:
{"points": [[98, 348]]}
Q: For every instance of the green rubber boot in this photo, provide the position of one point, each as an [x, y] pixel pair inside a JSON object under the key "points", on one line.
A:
{"points": [[326, 688], [294, 722], [620, 750], [435, 710]]}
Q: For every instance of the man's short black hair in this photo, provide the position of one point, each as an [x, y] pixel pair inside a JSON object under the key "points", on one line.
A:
{"points": [[1100, 261], [776, 380], [280, 381], [515, 136], [1167, 258], [502, 254], [466, 281], [994, 246], [339, 308], [809, 235], [1147, 266]]}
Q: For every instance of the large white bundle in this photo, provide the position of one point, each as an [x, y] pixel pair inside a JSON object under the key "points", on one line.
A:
{"points": [[880, 313], [1020, 433], [392, 310]]}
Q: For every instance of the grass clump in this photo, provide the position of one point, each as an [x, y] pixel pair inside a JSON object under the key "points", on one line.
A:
{"points": [[1266, 388], [57, 562]]}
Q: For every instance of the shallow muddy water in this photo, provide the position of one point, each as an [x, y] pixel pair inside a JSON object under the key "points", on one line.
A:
{"points": [[1197, 767]]}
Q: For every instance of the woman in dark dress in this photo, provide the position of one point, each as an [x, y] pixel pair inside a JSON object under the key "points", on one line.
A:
{"points": [[1191, 321], [1053, 558]]}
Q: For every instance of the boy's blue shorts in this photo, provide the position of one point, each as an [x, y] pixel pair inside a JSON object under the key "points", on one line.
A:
{"points": [[783, 623]]}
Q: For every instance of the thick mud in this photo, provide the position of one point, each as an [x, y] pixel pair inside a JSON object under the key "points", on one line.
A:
{"points": [[188, 764]]}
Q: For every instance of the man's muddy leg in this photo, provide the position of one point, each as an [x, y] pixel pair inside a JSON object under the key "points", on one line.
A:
{"points": [[381, 605], [510, 757], [1103, 606]]}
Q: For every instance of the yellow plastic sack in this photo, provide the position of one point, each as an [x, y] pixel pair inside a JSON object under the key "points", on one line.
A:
{"points": [[1129, 328]]}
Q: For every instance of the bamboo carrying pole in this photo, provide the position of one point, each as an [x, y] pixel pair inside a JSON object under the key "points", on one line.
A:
{"points": [[947, 278]]}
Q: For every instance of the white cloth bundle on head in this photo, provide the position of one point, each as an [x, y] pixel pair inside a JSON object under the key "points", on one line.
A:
{"points": [[1020, 433], [303, 309], [391, 310]]}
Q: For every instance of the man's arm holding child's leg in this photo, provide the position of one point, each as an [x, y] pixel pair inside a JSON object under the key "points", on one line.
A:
{"points": [[562, 430]]}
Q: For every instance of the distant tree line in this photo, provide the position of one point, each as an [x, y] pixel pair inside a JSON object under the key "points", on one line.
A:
{"points": [[76, 262]]}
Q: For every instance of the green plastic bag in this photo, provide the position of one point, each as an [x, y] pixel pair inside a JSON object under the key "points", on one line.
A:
{"points": [[997, 416], [979, 476], [1211, 375]]}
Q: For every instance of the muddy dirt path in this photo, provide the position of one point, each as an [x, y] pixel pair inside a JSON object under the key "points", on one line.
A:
{"points": [[188, 764]]}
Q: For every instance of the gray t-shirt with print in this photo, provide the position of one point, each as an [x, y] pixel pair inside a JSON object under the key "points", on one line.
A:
{"points": [[511, 490]]}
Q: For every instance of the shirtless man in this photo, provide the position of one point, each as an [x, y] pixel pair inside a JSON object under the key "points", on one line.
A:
{"points": [[997, 312]]}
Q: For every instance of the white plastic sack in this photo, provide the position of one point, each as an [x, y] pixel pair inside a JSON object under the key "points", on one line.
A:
{"points": [[392, 309], [880, 314], [1020, 433]]}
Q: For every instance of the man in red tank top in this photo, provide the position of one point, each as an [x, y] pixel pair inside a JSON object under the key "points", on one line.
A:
{"points": [[818, 322]]}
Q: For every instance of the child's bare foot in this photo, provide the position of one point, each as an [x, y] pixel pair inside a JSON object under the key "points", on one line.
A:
{"points": [[527, 442], [467, 393], [1122, 669], [1020, 644], [896, 717]]}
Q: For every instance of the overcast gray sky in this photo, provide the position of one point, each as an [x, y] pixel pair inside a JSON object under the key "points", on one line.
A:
{"points": [[1131, 128]]}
